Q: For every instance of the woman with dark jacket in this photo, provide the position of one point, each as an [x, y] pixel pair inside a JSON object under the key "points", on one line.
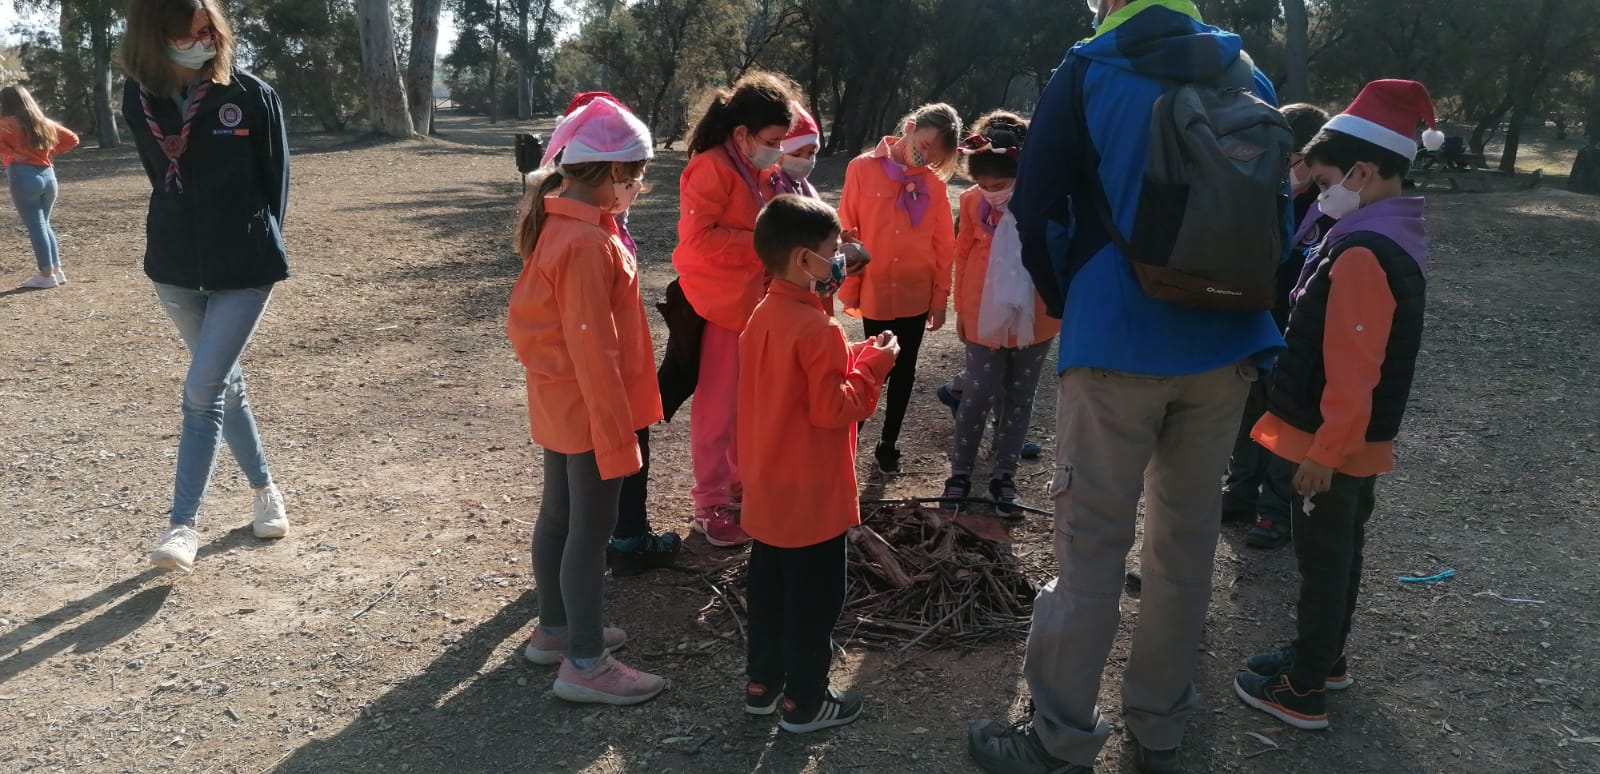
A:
{"points": [[213, 142]]}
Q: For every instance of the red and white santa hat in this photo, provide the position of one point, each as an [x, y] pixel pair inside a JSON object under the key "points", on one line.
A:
{"points": [[600, 129], [1386, 114], [803, 133]]}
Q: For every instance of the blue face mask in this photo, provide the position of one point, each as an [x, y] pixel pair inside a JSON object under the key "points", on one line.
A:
{"points": [[193, 58], [824, 287]]}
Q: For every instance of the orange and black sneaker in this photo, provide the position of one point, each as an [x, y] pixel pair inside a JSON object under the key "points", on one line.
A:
{"points": [[1278, 697], [1280, 661]]}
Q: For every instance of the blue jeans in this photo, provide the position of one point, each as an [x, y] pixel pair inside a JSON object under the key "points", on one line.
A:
{"points": [[215, 325], [33, 190]]}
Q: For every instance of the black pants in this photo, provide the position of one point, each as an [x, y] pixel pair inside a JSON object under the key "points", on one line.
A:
{"points": [[632, 519], [796, 596], [903, 376], [1329, 533]]}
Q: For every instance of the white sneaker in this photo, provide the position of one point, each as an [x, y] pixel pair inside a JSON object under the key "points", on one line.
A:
{"points": [[175, 550], [270, 521], [61, 277], [41, 282]]}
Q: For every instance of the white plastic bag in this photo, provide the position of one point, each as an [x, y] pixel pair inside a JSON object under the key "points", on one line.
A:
{"points": [[1005, 315]]}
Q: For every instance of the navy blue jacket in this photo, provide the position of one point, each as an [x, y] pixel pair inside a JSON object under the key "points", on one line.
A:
{"points": [[1113, 80], [224, 231]]}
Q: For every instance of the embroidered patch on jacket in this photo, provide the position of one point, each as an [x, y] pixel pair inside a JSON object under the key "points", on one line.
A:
{"points": [[230, 115]]}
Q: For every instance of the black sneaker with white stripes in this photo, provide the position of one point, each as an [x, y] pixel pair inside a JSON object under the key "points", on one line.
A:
{"points": [[838, 708]]}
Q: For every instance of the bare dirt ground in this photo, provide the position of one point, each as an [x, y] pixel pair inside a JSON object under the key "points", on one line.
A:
{"points": [[383, 634]]}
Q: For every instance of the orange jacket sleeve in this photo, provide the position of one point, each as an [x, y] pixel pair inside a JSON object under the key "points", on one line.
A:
{"points": [[966, 237], [1354, 341], [944, 253], [66, 140], [703, 198], [583, 292], [842, 382], [849, 217]]}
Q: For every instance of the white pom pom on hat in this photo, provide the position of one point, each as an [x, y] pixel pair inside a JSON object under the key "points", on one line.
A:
{"points": [[1386, 114]]}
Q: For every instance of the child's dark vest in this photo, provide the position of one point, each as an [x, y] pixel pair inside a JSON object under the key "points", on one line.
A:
{"points": [[1301, 375]]}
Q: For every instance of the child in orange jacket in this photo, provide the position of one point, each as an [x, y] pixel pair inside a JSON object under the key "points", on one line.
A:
{"points": [[578, 325], [732, 173], [802, 390], [895, 198], [1003, 359], [28, 142]]}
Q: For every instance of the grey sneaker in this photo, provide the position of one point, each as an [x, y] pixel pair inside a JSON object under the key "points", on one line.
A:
{"points": [[1014, 749]]}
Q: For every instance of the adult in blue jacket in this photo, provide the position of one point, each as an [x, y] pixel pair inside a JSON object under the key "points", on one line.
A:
{"points": [[1149, 400], [213, 143]]}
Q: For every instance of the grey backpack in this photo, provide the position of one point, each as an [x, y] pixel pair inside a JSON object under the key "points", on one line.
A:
{"points": [[1210, 228]]}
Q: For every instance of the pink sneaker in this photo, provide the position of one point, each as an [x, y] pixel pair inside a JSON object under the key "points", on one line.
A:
{"points": [[548, 649], [718, 525], [609, 682]]}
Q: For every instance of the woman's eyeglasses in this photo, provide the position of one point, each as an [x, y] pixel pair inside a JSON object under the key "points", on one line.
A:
{"points": [[186, 44]]}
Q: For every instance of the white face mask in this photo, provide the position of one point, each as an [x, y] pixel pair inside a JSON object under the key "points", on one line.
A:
{"points": [[1297, 178], [764, 156], [1338, 201], [1000, 197], [797, 167], [624, 193], [192, 58]]}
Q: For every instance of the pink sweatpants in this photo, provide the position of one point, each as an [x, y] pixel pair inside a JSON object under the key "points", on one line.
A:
{"points": [[712, 418]]}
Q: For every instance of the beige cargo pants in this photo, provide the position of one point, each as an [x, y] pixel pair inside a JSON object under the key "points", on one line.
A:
{"points": [[1118, 435]]}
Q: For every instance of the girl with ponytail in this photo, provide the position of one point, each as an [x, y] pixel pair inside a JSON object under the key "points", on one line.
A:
{"points": [[732, 173]]}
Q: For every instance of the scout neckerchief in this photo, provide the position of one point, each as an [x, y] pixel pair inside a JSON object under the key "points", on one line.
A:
{"points": [[913, 197], [743, 168], [174, 146]]}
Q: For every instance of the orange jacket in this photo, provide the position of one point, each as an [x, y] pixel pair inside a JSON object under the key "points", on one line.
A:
{"points": [[14, 144], [910, 270], [577, 322], [801, 392], [1354, 341], [972, 265], [716, 257]]}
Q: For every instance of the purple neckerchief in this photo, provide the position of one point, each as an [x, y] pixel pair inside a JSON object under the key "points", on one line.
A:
{"points": [[743, 168], [622, 233], [1398, 218], [987, 211], [913, 199], [799, 187]]}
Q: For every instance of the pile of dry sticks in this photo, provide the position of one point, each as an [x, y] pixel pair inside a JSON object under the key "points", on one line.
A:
{"points": [[918, 576]]}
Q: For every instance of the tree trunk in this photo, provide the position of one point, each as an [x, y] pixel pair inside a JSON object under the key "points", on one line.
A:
{"points": [[1586, 171], [419, 68], [1296, 86], [1486, 125], [105, 121], [494, 66], [386, 95], [1533, 71], [524, 64]]}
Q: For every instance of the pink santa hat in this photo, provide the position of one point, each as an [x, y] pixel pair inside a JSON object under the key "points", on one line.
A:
{"points": [[803, 133], [601, 130], [1386, 114]]}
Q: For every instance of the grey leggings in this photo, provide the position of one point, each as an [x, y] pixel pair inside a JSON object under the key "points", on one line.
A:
{"points": [[1003, 381], [569, 548]]}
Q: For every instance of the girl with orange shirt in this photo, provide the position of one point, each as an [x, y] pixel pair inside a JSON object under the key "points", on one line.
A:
{"points": [[732, 172], [28, 141], [1006, 345], [578, 325], [895, 198]]}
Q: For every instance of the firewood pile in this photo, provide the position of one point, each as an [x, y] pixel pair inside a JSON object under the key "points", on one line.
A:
{"points": [[918, 576]]}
